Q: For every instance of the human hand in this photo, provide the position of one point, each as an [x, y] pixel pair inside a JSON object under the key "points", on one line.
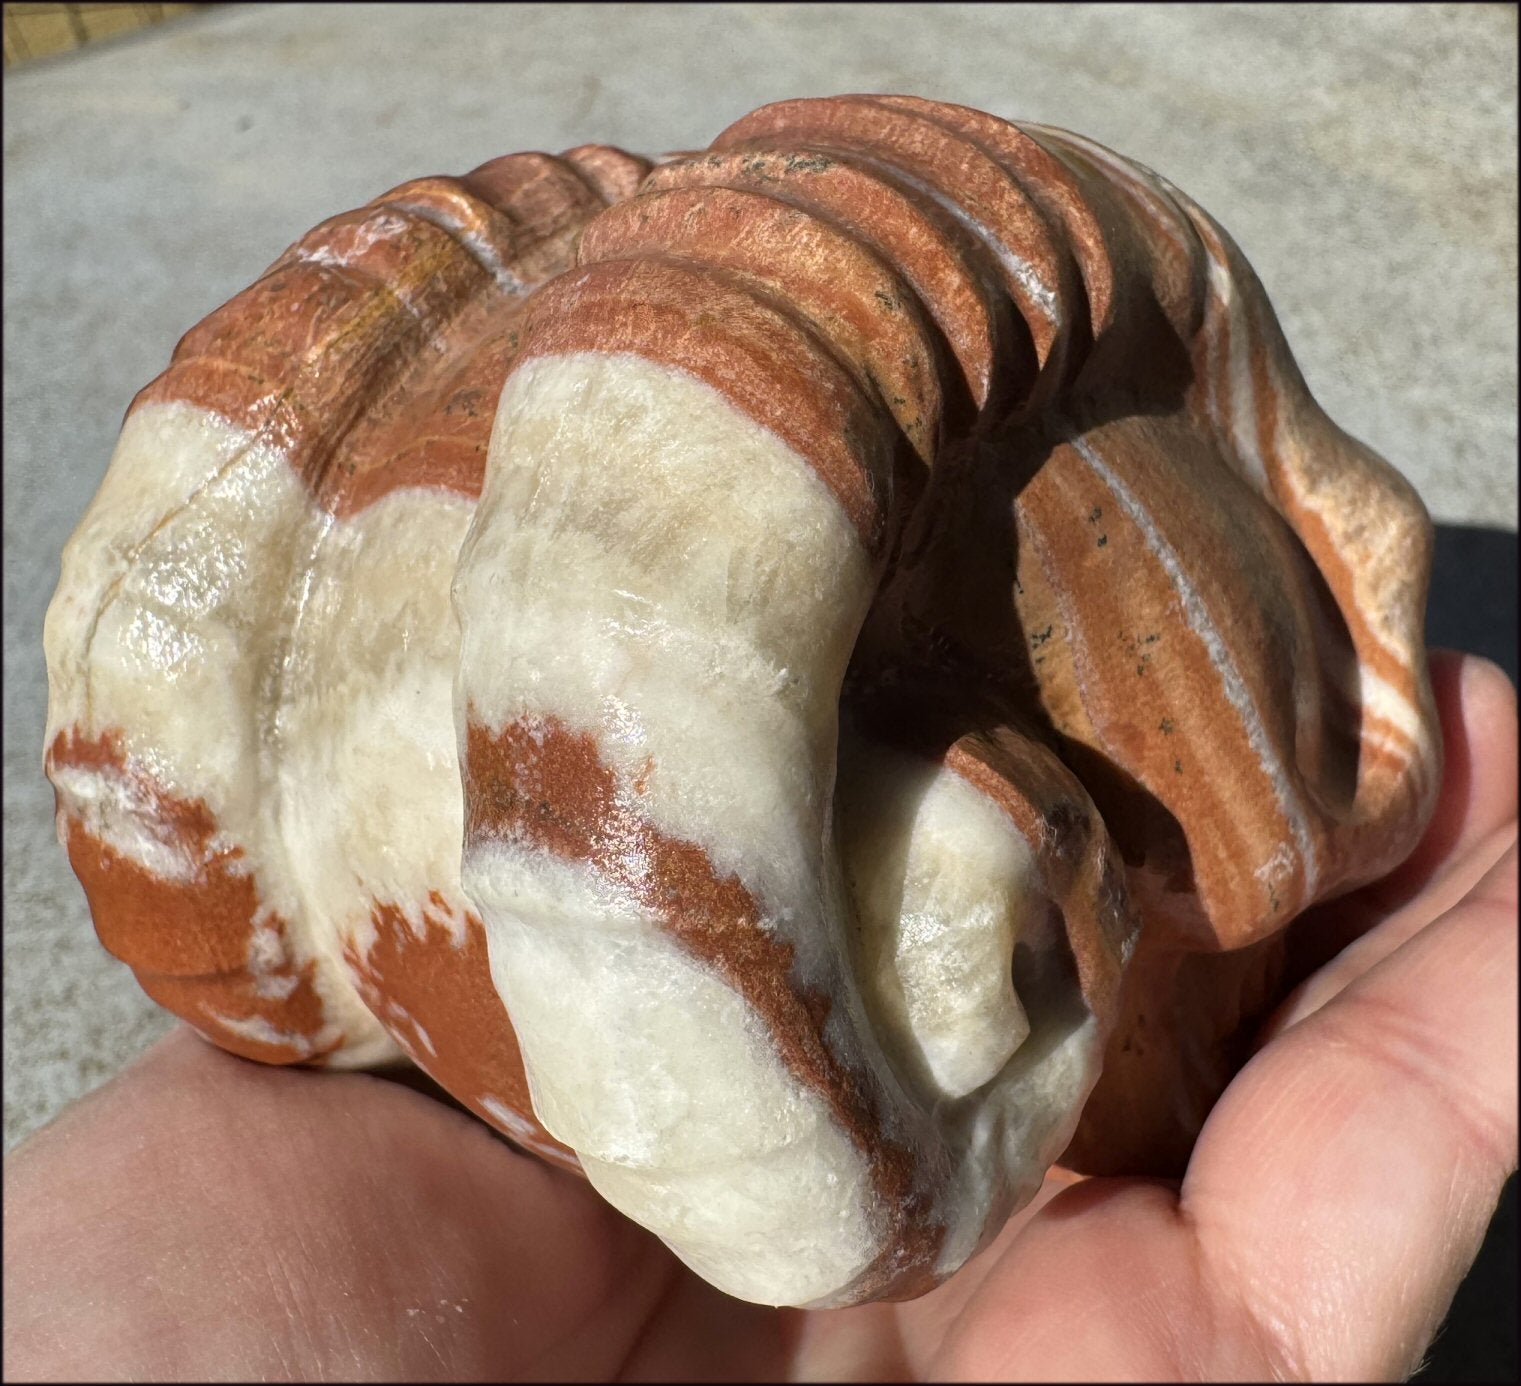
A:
{"points": [[201, 1217]]}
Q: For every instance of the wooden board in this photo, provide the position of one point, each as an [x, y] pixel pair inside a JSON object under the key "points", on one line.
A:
{"points": [[40, 31]]}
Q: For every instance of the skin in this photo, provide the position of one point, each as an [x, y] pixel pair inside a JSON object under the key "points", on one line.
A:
{"points": [[203, 1218]]}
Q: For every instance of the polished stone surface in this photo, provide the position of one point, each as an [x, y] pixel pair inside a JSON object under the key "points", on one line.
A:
{"points": [[1364, 157]]}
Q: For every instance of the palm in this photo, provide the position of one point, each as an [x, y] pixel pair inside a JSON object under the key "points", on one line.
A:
{"points": [[201, 1216]]}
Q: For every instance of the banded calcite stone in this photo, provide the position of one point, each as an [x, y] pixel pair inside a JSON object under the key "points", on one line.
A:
{"points": [[250, 650], [918, 645]]}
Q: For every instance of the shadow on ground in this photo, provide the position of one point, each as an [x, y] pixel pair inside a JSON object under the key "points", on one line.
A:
{"points": [[1473, 607]]}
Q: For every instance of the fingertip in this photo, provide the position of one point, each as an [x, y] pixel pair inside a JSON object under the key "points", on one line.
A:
{"points": [[1476, 708], [1488, 712], [1489, 696], [1471, 687]]}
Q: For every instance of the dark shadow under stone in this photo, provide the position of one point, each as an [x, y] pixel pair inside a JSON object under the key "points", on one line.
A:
{"points": [[1473, 607]]}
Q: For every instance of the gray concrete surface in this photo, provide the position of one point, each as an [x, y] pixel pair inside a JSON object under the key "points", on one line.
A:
{"points": [[1364, 156]]}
